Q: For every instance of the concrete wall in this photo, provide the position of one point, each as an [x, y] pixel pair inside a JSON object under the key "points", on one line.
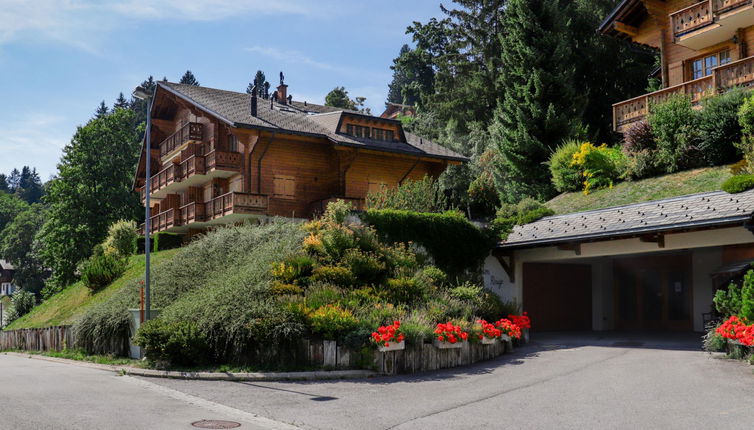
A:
{"points": [[704, 261]]}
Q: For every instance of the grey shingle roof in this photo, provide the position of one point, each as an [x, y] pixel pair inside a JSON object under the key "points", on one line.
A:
{"points": [[310, 119], [696, 210], [4, 265]]}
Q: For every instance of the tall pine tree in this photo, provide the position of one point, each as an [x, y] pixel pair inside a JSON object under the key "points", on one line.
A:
{"points": [[102, 110], [189, 79], [540, 106], [401, 80], [29, 187], [120, 102], [259, 80]]}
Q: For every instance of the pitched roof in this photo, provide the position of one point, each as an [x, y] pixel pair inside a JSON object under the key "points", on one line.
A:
{"points": [[298, 118], [4, 265], [692, 211]]}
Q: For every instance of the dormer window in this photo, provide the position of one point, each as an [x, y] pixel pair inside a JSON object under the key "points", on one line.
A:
{"points": [[358, 131], [382, 134]]}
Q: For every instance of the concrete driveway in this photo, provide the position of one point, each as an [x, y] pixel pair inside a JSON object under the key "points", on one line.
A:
{"points": [[560, 381]]}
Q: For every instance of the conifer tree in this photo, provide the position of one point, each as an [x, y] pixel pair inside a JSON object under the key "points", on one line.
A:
{"points": [[400, 81], [539, 106], [189, 79], [259, 80], [4, 183], [102, 110], [120, 102], [30, 187]]}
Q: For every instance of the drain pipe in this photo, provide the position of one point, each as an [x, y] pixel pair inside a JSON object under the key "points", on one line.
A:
{"points": [[259, 162]]}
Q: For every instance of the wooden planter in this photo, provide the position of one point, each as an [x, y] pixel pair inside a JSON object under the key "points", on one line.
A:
{"points": [[394, 346], [488, 341], [447, 345]]}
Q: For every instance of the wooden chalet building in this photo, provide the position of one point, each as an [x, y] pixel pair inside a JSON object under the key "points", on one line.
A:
{"points": [[222, 157], [6, 279], [706, 47]]}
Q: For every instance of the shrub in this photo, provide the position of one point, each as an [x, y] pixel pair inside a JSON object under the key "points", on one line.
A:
{"points": [[337, 275], [100, 270], [564, 176], [139, 244], [599, 166], [332, 322], [713, 341], [432, 276], [417, 328], [22, 302], [423, 195], [293, 270], [747, 297], [643, 164], [467, 292], [365, 266], [336, 240], [746, 116], [719, 128], [286, 289], [674, 127], [337, 211], [164, 241], [178, 343], [454, 243], [638, 137], [322, 295], [738, 184], [509, 215], [728, 300], [493, 307], [121, 238], [405, 291]]}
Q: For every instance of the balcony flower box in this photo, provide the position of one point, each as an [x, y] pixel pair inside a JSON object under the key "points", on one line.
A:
{"points": [[393, 346], [488, 341], [447, 345], [449, 336]]}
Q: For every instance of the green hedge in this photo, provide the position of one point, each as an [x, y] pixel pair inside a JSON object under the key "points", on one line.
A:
{"points": [[164, 241], [140, 244], [455, 244], [738, 184]]}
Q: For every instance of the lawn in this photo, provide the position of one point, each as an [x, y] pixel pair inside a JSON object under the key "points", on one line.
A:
{"points": [[676, 184], [66, 306]]}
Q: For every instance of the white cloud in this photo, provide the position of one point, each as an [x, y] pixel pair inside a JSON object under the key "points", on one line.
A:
{"points": [[208, 10], [33, 140], [291, 57]]}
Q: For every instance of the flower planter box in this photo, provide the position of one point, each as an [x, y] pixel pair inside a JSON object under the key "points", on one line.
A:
{"points": [[505, 338], [447, 345], [394, 346], [525, 335], [488, 341]]}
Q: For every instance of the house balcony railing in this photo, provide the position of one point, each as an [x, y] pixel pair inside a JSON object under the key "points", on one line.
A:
{"points": [[736, 74], [214, 164], [190, 132], [236, 203], [222, 160], [709, 22], [192, 213], [162, 221]]}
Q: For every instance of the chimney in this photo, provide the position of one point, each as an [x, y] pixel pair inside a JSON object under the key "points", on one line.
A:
{"points": [[282, 93], [254, 101]]}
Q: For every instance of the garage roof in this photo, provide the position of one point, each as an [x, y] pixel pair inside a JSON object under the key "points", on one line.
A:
{"points": [[715, 209]]}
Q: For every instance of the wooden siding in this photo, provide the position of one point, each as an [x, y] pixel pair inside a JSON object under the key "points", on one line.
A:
{"points": [[369, 171]]}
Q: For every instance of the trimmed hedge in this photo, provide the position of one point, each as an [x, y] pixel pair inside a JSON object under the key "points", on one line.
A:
{"points": [[164, 241], [738, 184], [140, 244], [455, 244]]}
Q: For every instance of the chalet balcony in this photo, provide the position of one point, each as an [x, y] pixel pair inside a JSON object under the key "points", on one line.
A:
{"points": [[192, 132], [738, 73], [195, 170], [710, 22], [163, 221]]}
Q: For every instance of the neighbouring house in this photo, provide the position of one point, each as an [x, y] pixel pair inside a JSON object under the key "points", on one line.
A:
{"points": [[6, 278], [222, 157], [645, 266], [395, 110], [705, 48]]}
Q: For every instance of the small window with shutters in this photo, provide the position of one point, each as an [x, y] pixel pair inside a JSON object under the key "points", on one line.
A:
{"points": [[232, 143], [283, 187]]}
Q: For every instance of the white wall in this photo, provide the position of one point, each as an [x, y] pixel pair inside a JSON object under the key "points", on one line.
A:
{"points": [[704, 261], [497, 281]]}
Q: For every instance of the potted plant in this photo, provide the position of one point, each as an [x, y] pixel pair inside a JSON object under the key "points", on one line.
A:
{"points": [[509, 329], [449, 336], [389, 338], [524, 323], [487, 333]]}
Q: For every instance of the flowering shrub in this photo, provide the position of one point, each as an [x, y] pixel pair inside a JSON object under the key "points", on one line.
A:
{"points": [[600, 166], [509, 328], [737, 329], [489, 330], [332, 321], [386, 334], [522, 321], [450, 333]]}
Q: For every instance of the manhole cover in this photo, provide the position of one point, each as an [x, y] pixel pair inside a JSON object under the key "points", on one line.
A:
{"points": [[216, 424]]}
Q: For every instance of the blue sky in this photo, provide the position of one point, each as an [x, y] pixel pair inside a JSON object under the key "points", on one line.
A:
{"points": [[60, 58]]}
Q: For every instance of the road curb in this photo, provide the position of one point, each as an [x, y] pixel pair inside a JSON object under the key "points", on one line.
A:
{"points": [[317, 375]]}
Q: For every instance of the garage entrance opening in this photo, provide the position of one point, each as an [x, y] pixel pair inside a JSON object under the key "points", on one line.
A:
{"points": [[558, 296]]}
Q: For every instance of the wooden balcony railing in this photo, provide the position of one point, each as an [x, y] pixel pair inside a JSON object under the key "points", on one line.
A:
{"points": [[221, 160], [637, 108], [693, 17], [192, 131], [194, 165], [193, 212], [736, 74], [722, 6], [236, 203], [163, 178], [162, 221]]}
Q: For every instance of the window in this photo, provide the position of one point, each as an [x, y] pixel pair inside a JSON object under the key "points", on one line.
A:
{"points": [[358, 131], [382, 134], [389, 135], [232, 143], [283, 187], [702, 67]]}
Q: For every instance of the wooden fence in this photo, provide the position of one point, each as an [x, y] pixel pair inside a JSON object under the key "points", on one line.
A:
{"points": [[38, 339]]}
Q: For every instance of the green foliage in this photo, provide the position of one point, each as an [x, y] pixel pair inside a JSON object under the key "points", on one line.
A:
{"points": [[431, 276], [164, 241], [100, 270], [91, 191], [336, 240], [713, 341], [638, 137], [719, 128], [22, 302], [728, 300], [337, 275], [331, 321], [565, 176], [599, 166], [467, 292], [406, 291], [367, 267], [510, 215], [121, 239], [643, 164], [338, 98], [177, 343], [747, 296], [738, 184], [337, 211], [286, 289], [746, 116], [674, 125], [19, 245], [454, 243], [10, 207], [423, 195], [189, 79], [295, 269], [139, 244], [491, 307]]}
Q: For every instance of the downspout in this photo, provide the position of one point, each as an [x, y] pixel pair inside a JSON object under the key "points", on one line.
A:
{"points": [[259, 163]]}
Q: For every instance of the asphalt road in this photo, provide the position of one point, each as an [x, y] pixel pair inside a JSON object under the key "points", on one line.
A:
{"points": [[557, 382]]}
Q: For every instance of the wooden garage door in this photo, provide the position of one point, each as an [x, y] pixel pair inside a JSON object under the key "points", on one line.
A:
{"points": [[558, 296]]}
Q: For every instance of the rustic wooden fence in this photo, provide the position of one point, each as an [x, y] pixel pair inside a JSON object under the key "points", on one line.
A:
{"points": [[38, 339]]}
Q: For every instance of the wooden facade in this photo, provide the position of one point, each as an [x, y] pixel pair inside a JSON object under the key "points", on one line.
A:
{"points": [[206, 171], [705, 48]]}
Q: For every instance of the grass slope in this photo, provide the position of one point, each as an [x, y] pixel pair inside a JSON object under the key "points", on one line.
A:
{"points": [[69, 304], [673, 185]]}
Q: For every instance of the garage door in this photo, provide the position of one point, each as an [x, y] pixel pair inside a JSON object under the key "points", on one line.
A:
{"points": [[558, 296]]}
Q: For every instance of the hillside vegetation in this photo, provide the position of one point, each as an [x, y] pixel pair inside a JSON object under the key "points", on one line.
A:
{"points": [[70, 304], [676, 184]]}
